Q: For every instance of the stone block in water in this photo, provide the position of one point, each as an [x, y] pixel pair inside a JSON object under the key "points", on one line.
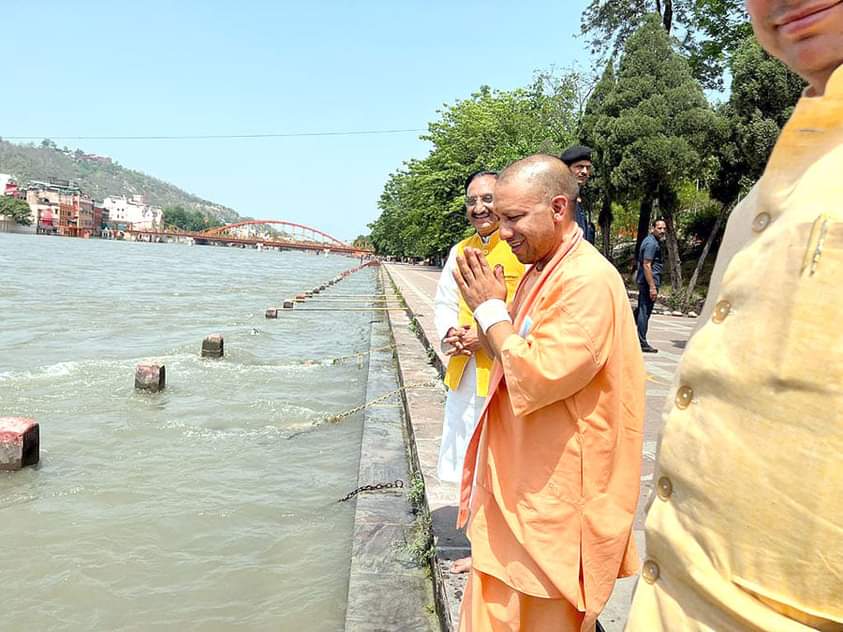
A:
{"points": [[19, 442], [213, 346], [150, 377]]}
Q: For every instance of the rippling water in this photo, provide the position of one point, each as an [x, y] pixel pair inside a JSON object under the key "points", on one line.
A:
{"points": [[188, 509]]}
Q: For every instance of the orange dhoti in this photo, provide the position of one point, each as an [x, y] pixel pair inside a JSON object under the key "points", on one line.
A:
{"points": [[489, 605]]}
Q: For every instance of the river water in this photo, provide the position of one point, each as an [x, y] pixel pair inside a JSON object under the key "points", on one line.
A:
{"points": [[189, 509]]}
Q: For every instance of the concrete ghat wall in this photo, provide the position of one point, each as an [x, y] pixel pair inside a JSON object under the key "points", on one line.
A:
{"points": [[387, 589], [425, 411]]}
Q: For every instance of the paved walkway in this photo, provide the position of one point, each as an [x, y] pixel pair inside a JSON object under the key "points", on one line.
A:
{"points": [[669, 334]]}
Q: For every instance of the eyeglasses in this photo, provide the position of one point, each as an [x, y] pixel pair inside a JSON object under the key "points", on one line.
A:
{"points": [[471, 202]]}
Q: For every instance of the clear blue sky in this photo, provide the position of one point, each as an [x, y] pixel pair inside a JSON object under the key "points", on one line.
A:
{"points": [[167, 68]]}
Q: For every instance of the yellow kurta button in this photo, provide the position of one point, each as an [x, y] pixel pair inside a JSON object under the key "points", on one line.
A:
{"points": [[721, 310], [684, 395], [761, 221], [650, 572], [664, 488]]}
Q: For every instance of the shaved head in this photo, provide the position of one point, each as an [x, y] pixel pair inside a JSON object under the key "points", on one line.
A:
{"points": [[535, 201], [543, 175]]}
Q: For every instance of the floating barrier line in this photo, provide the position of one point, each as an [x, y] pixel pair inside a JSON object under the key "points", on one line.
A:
{"points": [[347, 413], [354, 356], [342, 301]]}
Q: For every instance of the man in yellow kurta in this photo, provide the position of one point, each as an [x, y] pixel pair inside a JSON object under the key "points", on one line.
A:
{"points": [[746, 529], [467, 375], [552, 471]]}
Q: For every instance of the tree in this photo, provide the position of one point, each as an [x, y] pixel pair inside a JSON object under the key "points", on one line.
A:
{"points": [[764, 93], [657, 130], [15, 209], [185, 219], [709, 30], [362, 241], [599, 190], [422, 212]]}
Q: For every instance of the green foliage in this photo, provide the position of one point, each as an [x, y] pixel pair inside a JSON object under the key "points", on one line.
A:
{"points": [[655, 124], [422, 213], [653, 130], [420, 545], [708, 31], [698, 211], [15, 209], [764, 92], [99, 178], [362, 241], [415, 493], [179, 217]]}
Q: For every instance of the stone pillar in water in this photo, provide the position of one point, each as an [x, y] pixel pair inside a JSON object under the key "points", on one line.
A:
{"points": [[213, 346], [150, 377], [19, 442]]}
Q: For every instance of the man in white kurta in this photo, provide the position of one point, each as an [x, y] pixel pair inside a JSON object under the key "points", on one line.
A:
{"points": [[468, 369]]}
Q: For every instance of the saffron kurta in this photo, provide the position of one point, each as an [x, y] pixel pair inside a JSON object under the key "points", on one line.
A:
{"points": [[467, 377], [556, 456], [746, 531]]}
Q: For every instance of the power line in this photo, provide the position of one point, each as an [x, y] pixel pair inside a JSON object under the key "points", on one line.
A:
{"points": [[370, 132]]}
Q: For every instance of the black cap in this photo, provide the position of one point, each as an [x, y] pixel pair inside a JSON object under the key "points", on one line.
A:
{"points": [[575, 154]]}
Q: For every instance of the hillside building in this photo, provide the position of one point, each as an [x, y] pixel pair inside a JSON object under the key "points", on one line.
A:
{"points": [[123, 211], [60, 207]]}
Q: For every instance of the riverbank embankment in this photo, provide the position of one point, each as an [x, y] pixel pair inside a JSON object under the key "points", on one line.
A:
{"points": [[389, 586]]}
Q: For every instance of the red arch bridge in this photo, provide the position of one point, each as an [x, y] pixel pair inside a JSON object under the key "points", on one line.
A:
{"points": [[260, 233]]}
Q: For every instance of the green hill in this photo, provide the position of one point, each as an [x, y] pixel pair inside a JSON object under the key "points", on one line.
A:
{"points": [[99, 176]]}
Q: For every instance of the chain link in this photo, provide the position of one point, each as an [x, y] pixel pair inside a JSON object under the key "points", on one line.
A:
{"points": [[347, 413], [396, 484], [362, 354]]}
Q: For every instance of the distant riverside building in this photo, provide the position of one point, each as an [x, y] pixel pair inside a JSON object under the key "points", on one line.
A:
{"points": [[9, 187], [135, 211], [59, 206], [8, 184]]}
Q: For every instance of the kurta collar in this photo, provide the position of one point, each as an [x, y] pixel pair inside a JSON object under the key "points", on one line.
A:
{"points": [[813, 129], [490, 240]]}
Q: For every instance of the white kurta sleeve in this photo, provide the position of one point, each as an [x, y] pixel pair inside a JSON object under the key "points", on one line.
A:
{"points": [[447, 301]]}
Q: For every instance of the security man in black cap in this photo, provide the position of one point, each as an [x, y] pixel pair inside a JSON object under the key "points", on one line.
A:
{"points": [[578, 159]]}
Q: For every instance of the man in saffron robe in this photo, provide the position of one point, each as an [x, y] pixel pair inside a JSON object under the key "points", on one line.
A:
{"points": [[552, 471]]}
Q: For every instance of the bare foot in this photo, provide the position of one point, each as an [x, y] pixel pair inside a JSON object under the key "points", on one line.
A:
{"points": [[462, 565]]}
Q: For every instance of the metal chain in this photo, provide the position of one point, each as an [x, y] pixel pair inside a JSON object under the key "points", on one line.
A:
{"points": [[397, 484], [347, 413], [362, 354]]}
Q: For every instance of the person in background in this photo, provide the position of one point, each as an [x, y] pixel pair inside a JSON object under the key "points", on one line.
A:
{"points": [[745, 530], [467, 375], [649, 278], [578, 159], [551, 476]]}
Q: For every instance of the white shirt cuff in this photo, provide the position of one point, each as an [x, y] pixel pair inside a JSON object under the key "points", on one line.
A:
{"points": [[490, 313]]}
